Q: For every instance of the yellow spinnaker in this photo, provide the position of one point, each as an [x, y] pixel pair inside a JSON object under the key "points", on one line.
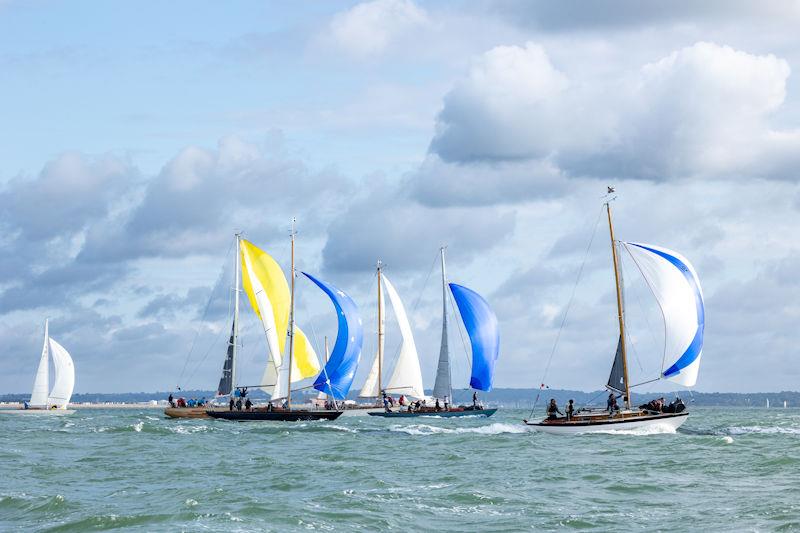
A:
{"points": [[268, 292]]}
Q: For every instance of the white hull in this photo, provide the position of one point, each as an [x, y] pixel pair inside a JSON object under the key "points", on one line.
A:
{"points": [[647, 426], [362, 412], [43, 412]]}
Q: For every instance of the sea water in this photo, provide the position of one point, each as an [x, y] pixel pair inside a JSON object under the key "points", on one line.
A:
{"points": [[134, 470]]}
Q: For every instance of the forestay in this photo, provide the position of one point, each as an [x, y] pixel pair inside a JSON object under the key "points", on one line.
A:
{"points": [[407, 376], [675, 285], [484, 335], [337, 376]]}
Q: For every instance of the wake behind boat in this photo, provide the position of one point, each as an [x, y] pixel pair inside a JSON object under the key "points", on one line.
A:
{"points": [[57, 400], [449, 413], [676, 288]]}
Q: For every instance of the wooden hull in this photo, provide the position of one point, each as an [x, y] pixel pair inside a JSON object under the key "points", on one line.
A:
{"points": [[442, 414], [293, 415], [665, 422], [186, 412]]}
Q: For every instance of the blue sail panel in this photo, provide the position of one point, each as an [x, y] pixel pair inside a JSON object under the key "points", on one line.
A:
{"points": [[484, 335], [337, 376]]}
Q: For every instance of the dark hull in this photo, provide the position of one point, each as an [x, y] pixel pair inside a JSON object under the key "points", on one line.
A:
{"points": [[443, 414], [277, 415]]}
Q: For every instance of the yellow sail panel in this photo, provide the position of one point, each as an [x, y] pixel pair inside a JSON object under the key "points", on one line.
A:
{"points": [[266, 287], [305, 363]]}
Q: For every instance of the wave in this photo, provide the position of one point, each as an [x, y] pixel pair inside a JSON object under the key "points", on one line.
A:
{"points": [[769, 430], [655, 429], [498, 428]]}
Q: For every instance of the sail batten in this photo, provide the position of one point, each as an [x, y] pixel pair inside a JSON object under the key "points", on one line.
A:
{"points": [[484, 335], [675, 285], [337, 375]]}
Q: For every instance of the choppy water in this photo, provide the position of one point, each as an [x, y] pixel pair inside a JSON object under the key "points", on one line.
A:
{"points": [[726, 469]]}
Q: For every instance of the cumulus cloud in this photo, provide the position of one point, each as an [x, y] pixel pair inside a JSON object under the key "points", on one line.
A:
{"points": [[368, 29], [702, 111]]}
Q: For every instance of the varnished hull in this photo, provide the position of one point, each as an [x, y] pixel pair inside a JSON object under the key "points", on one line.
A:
{"points": [[186, 412], [443, 414], [293, 415], [659, 422]]}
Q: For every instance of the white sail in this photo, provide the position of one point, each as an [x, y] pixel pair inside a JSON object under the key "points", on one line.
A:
{"points": [[65, 376], [370, 388], [407, 376], [42, 382], [675, 285]]}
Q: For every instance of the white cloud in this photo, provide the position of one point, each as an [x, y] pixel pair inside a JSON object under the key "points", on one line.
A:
{"points": [[369, 28], [702, 111]]}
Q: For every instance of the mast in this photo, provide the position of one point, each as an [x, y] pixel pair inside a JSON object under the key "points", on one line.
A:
{"points": [[620, 310], [235, 335], [380, 330], [443, 385], [291, 328]]}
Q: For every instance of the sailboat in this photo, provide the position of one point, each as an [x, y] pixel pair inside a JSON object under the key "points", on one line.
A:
{"points": [[56, 401], [481, 325], [273, 301], [674, 284]]}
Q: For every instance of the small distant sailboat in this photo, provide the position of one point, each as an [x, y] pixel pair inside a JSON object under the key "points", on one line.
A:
{"points": [[56, 401], [273, 301], [674, 283], [481, 325]]}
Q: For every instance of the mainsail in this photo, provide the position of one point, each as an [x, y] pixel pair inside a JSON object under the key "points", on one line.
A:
{"points": [[484, 335], [442, 386], [616, 380], [268, 293], [337, 376], [226, 380], [407, 376], [65, 376], [42, 382], [675, 285]]}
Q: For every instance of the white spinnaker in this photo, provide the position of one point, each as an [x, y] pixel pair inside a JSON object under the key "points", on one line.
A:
{"points": [[370, 388], [680, 297], [407, 376], [268, 323], [65, 376], [42, 382]]}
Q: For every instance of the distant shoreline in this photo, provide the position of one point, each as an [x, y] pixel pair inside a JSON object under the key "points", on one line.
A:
{"points": [[109, 405]]}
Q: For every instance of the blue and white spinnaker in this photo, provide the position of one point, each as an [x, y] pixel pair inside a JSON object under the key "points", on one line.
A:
{"points": [[337, 376], [484, 335], [674, 283]]}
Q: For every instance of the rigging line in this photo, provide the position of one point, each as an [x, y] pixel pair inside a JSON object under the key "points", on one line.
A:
{"points": [[419, 297], [663, 316], [205, 311], [566, 310], [644, 315], [210, 349]]}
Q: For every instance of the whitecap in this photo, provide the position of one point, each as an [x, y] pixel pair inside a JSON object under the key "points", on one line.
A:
{"points": [[498, 428], [770, 430], [138, 426], [190, 502]]}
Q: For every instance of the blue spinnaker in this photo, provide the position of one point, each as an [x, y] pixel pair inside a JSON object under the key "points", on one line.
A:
{"points": [[484, 335], [337, 376]]}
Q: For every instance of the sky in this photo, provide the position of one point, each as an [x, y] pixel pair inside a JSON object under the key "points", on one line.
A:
{"points": [[138, 137]]}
